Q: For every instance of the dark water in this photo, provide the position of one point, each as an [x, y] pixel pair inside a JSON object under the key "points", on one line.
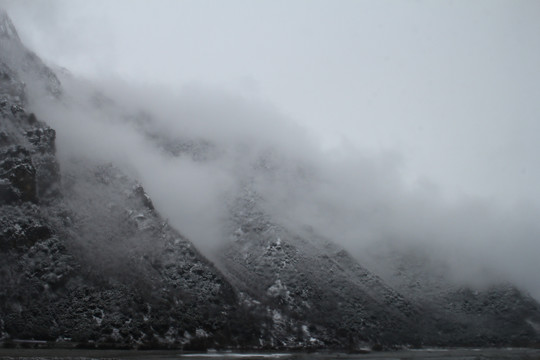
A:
{"points": [[456, 354]]}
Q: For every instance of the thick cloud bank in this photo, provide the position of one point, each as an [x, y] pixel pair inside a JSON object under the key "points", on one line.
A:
{"points": [[351, 197], [411, 123]]}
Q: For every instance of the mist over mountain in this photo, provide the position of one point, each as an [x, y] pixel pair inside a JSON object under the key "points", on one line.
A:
{"points": [[134, 187]]}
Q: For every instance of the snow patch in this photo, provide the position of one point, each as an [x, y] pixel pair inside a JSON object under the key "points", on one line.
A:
{"points": [[276, 316], [305, 330], [98, 319], [278, 289], [200, 333]]}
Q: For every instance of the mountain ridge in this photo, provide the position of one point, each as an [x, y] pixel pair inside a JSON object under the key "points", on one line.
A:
{"points": [[88, 258], [7, 29]]}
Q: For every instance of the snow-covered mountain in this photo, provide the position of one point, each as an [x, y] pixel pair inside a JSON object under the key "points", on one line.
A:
{"points": [[86, 255]]}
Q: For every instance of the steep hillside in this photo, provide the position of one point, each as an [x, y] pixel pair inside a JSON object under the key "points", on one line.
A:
{"points": [[493, 314], [85, 256], [310, 286]]}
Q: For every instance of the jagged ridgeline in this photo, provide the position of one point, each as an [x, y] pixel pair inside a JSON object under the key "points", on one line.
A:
{"points": [[86, 258]]}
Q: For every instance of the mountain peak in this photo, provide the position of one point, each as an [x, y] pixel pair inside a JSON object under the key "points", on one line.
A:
{"points": [[7, 29]]}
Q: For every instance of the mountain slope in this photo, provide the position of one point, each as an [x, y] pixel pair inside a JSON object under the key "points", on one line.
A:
{"points": [[85, 256], [475, 315], [311, 286]]}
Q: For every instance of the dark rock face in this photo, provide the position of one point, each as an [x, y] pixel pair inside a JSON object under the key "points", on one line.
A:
{"points": [[22, 228], [28, 166], [20, 173], [96, 263], [28, 171]]}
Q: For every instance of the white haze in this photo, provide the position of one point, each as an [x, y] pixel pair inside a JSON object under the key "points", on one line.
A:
{"points": [[451, 168], [347, 196]]}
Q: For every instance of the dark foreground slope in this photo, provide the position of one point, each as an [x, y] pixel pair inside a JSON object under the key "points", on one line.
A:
{"points": [[85, 256], [95, 265]]}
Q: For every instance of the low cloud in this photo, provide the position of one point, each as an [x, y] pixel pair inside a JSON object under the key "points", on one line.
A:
{"points": [[472, 126], [353, 198]]}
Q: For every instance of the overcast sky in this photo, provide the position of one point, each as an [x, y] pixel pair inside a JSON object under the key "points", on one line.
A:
{"points": [[452, 87]]}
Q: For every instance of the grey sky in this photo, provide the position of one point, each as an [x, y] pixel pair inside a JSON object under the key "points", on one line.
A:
{"points": [[452, 86]]}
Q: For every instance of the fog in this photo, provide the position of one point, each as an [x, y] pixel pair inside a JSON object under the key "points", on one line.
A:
{"points": [[410, 123]]}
